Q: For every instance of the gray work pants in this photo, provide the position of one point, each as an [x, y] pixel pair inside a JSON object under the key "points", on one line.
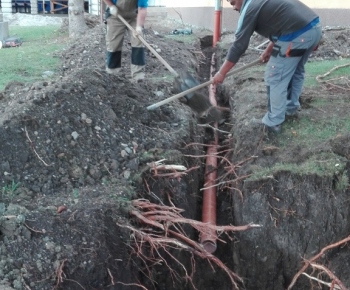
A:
{"points": [[284, 75]]}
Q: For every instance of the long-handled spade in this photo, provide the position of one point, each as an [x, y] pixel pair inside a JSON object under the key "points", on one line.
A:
{"points": [[184, 81], [156, 54], [195, 88]]}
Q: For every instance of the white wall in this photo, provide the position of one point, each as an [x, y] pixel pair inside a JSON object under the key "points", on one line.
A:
{"points": [[331, 4], [208, 4], [190, 3], [157, 3]]}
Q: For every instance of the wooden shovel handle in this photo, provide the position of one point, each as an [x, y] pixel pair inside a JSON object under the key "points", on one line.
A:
{"points": [[168, 100], [156, 54]]}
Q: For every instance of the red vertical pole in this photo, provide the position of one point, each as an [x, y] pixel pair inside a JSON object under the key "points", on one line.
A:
{"points": [[217, 25]]}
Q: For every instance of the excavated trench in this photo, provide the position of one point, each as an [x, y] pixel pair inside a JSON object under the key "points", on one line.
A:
{"points": [[95, 241], [201, 200], [300, 213]]}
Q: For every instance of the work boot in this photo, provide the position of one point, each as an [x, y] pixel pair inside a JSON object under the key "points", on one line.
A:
{"points": [[273, 129], [113, 71], [139, 76], [292, 115]]}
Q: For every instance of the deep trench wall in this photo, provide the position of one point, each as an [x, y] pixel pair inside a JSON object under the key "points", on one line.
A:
{"points": [[299, 214]]}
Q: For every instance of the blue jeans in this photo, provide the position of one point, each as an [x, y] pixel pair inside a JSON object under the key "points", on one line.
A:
{"points": [[284, 74]]}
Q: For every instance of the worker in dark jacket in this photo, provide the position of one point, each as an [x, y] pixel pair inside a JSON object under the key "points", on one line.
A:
{"points": [[134, 12], [294, 31]]}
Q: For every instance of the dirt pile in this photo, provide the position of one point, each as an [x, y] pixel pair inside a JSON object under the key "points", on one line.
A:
{"points": [[75, 153], [77, 148]]}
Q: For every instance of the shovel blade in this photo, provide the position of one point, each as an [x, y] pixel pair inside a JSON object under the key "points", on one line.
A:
{"points": [[198, 102], [183, 82]]}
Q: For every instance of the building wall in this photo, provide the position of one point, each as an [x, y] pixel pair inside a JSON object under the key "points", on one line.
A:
{"points": [[323, 4], [332, 12], [204, 16]]}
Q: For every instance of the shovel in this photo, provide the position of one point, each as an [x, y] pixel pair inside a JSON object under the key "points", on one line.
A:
{"points": [[184, 81], [193, 89], [156, 54]]}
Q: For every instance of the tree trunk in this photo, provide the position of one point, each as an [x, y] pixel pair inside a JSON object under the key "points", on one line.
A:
{"points": [[77, 25]]}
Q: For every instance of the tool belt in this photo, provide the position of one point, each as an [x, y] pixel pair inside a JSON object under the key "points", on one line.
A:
{"points": [[297, 52], [295, 34]]}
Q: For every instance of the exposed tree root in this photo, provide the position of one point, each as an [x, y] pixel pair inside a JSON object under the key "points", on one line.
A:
{"points": [[133, 284], [163, 231], [346, 87], [230, 177], [60, 276], [336, 283], [33, 148], [158, 166], [59, 272]]}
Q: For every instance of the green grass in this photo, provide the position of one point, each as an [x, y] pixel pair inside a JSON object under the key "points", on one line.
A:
{"points": [[324, 164], [307, 132], [27, 62], [9, 190], [315, 68], [314, 129], [187, 39]]}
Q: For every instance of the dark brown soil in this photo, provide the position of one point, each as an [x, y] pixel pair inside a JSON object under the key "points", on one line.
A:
{"points": [[77, 149]]}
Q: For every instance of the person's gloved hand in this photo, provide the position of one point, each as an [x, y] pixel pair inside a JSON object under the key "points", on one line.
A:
{"points": [[138, 31], [113, 10]]}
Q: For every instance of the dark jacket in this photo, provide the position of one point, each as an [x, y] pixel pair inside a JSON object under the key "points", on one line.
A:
{"points": [[269, 18]]}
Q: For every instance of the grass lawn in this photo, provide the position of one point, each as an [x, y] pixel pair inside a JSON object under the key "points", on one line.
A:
{"points": [[36, 55]]}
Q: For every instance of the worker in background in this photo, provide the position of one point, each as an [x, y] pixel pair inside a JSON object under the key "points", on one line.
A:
{"points": [[294, 31], [134, 12]]}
